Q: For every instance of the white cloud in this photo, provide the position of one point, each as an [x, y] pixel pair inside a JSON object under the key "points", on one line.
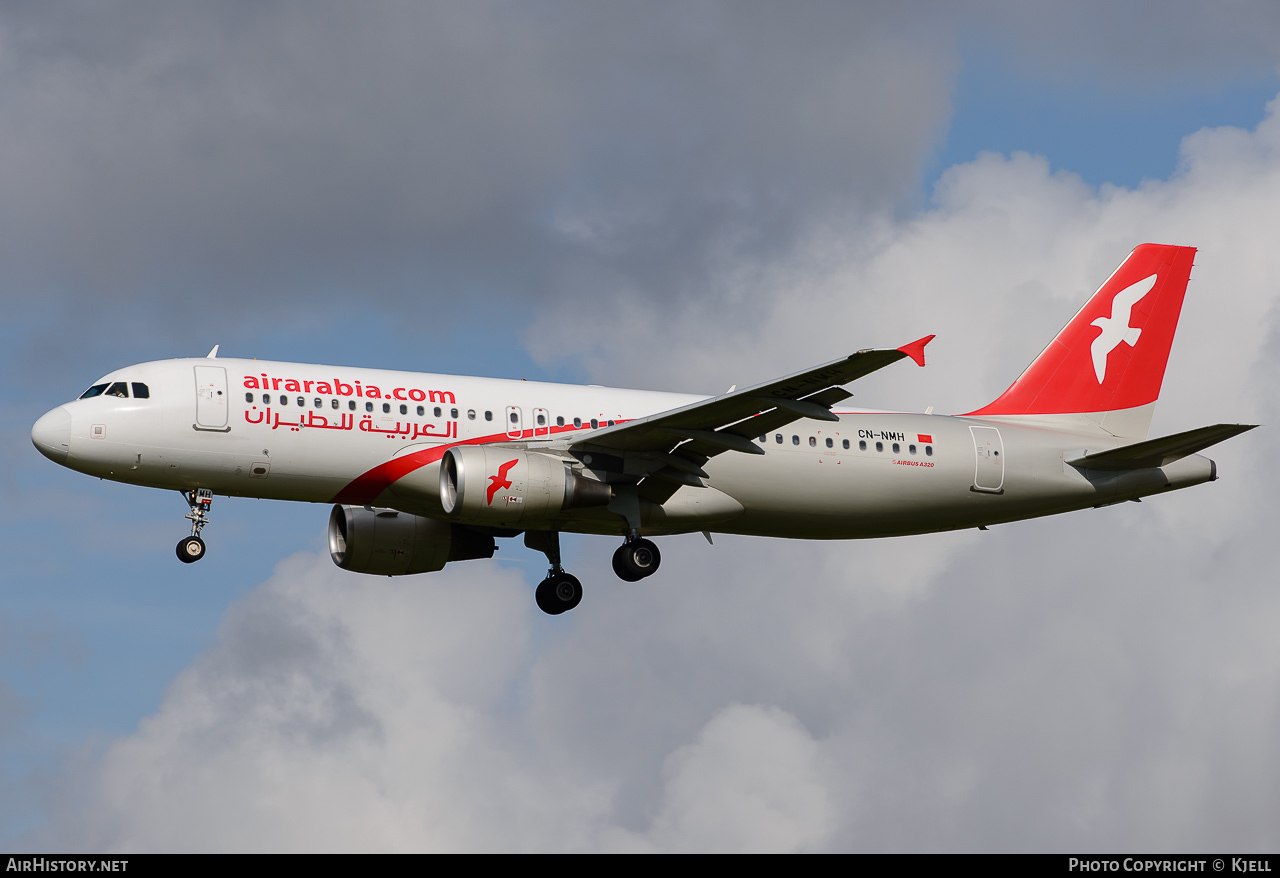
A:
{"points": [[753, 781]]}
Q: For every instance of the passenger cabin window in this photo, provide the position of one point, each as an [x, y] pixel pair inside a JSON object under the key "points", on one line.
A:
{"points": [[351, 404], [846, 445], [319, 403], [928, 451], [862, 444], [515, 418], [335, 402], [471, 414], [386, 408], [404, 409], [284, 400], [368, 406], [421, 411], [830, 444], [488, 416], [577, 422], [141, 391], [778, 438], [813, 442], [95, 390], [895, 448], [436, 411], [795, 440], [302, 402], [594, 423], [911, 448], [119, 389], [453, 413], [560, 420], [542, 420], [248, 397]]}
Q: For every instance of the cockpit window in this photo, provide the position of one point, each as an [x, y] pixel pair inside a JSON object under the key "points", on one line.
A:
{"points": [[119, 389], [140, 391], [93, 391]]}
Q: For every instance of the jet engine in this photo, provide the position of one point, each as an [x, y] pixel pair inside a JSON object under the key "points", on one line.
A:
{"points": [[391, 543], [504, 487]]}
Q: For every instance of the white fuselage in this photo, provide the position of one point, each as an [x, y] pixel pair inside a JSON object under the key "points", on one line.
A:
{"points": [[325, 434]]}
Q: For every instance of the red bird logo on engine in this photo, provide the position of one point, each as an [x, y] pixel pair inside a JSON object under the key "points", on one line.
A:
{"points": [[500, 481]]}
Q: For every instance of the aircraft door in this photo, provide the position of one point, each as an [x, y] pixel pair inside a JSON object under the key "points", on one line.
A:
{"points": [[211, 399], [988, 473], [515, 422], [541, 423]]}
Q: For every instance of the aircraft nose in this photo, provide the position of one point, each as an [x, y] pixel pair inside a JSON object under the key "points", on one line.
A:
{"points": [[51, 435]]}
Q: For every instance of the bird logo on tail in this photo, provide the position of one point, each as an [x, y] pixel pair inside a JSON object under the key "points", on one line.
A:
{"points": [[1116, 328]]}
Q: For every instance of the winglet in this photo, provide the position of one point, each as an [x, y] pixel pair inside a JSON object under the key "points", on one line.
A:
{"points": [[915, 350], [213, 354]]}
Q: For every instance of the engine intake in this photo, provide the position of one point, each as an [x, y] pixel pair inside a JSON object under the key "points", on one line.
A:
{"points": [[502, 486], [386, 542]]}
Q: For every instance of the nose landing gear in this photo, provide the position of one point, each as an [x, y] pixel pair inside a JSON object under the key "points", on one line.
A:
{"points": [[636, 559], [191, 549]]}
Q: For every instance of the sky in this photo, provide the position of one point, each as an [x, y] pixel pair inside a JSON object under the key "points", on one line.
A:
{"points": [[677, 196]]}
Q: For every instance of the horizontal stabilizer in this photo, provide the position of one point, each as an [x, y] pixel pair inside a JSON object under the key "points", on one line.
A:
{"points": [[1158, 452]]}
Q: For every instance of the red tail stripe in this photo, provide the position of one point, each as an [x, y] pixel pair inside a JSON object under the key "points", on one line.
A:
{"points": [[1112, 355]]}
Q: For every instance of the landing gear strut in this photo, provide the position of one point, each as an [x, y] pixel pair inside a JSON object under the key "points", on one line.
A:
{"points": [[636, 559], [560, 592], [191, 549]]}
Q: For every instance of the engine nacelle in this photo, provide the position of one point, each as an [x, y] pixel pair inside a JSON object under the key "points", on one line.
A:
{"points": [[386, 542], [505, 487]]}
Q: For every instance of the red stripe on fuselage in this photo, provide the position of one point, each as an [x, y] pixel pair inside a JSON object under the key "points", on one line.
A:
{"points": [[367, 487]]}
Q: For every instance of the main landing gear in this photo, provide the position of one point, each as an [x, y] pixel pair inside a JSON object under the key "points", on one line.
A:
{"points": [[191, 549], [560, 592], [636, 559]]}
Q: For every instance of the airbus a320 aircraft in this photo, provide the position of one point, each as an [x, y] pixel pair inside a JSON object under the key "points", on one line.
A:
{"points": [[427, 469]]}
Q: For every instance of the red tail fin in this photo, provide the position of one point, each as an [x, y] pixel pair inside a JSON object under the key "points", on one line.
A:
{"points": [[1112, 354]]}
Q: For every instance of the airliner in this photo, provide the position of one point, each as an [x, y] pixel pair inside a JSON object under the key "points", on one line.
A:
{"points": [[426, 469]]}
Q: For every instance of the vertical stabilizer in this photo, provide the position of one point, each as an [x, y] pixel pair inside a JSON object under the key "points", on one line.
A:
{"points": [[1106, 366]]}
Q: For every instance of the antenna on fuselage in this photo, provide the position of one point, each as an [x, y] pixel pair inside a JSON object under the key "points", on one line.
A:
{"points": [[213, 354]]}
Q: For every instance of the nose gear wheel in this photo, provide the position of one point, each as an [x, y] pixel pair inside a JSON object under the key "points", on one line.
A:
{"points": [[192, 548]]}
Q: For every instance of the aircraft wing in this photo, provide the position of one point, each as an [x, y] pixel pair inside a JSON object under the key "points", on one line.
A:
{"points": [[693, 433], [1158, 452]]}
